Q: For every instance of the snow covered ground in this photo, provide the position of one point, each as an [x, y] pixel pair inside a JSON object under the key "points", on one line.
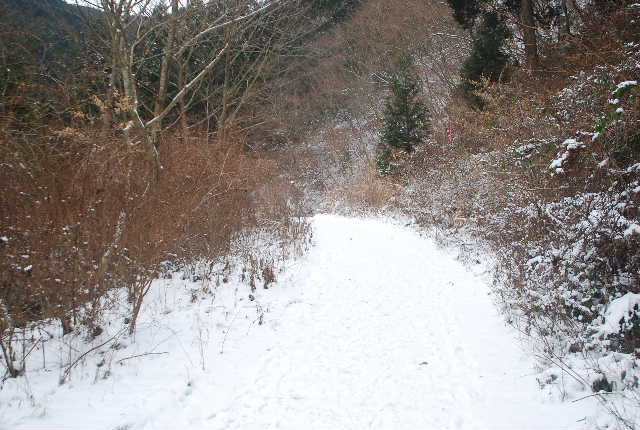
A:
{"points": [[374, 327]]}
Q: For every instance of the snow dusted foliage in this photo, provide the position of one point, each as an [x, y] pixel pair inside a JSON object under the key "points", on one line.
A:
{"points": [[548, 177], [579, 239], [571, 146], [574, 275], [586, 259]]}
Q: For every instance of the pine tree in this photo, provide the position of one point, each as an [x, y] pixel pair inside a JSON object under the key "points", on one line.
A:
{"points": [[406, 118], [488, 58], [465, 11]]}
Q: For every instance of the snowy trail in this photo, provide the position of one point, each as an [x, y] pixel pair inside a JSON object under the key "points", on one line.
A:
{"points": [[384, 330], [374, 328]]}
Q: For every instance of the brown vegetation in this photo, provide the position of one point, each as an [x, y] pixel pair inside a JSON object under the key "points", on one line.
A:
{"points": [[85, 211]]}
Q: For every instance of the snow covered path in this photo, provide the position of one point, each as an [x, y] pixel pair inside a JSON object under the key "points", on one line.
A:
{"points": [[388, 331], [375, 327]]}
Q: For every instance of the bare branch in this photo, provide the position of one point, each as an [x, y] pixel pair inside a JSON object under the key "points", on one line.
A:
{"points": [[208, 30], [186, 88]]}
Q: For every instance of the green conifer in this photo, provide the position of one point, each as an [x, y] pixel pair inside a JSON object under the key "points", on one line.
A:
{"points": [[488, 58], [406, 118]]}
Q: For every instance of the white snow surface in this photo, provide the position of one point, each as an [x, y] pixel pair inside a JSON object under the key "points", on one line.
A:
{"points": [[626, 84], [619, 309], [376, 327]]}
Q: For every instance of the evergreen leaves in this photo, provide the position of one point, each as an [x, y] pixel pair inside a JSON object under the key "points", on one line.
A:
{"points": [[406, 118], [465, 11], [488, 58]]}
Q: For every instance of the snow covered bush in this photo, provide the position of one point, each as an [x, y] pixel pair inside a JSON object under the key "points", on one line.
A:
{"points": [[547, 176]]}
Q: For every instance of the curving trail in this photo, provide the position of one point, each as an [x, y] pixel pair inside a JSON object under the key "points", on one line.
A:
{"points": [[375, 328], [385, 330]]}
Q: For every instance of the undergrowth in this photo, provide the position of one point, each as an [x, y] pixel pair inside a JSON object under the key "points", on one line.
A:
{"points": [[82, 215], [547, 175]]}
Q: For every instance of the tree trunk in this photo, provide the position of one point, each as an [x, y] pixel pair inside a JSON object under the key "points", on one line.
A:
{"points": [[109, 103], [131, 100], [527, 24], [67, 325], [164, 66], [567, 22], [222, 120], [13, 371], [182, 107]]}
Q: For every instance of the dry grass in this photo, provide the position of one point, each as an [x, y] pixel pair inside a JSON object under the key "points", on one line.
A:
{"points": [[83, 213], [369, 192]]}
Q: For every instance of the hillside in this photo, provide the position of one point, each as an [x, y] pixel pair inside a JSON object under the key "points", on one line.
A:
{"points": [[174, 174], [51, 29]]}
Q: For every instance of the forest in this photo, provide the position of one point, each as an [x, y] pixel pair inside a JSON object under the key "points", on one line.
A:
{"points": [[141, 138]]}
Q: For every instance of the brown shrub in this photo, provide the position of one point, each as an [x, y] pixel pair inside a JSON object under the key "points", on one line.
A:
{"points": [[83, 212]]}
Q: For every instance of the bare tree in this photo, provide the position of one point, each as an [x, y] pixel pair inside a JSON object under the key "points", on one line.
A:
{"points": [[135, 26]]}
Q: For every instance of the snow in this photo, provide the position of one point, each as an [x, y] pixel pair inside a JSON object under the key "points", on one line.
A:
{"points": [[571, 145], [631, 230], [617, 310], [555, 164], [633, 168], [535, 261], [376, 327], [626, 84]]}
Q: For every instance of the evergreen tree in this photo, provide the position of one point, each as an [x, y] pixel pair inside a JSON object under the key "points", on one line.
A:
{"points": [[485, 20], [406, 118], [465, 11], [488, 58]]}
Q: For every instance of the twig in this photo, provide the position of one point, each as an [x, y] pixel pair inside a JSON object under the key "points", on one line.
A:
{"points": [[31, 350], [594, 394], [563, 367], [224, 339], [72, 365], [141, 355]]}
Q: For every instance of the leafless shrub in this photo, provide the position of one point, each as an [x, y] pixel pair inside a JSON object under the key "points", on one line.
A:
{"points": [[83, 215], [546, 176]]}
